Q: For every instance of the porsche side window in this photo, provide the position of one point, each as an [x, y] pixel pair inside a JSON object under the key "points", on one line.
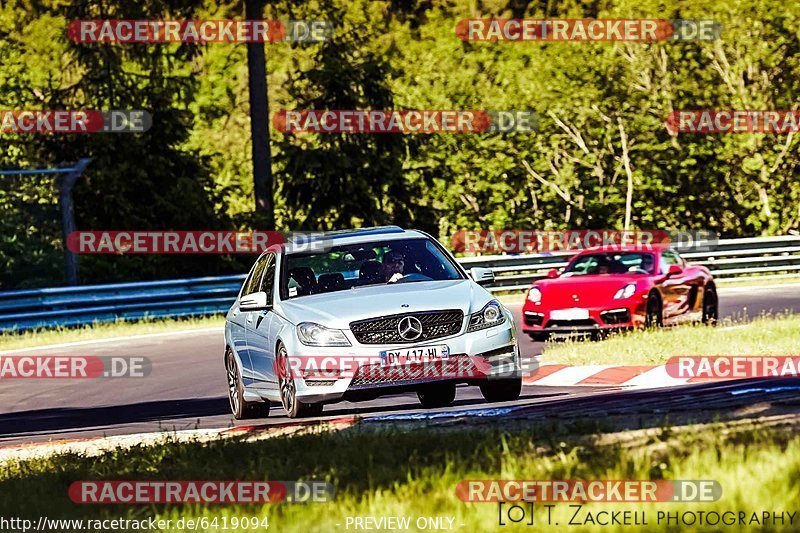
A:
{"points": [[583, 265], [254, 281], [668, 257], [671, 258]]}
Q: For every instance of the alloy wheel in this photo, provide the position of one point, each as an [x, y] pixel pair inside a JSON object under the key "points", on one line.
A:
{"points": [[285, 381]]}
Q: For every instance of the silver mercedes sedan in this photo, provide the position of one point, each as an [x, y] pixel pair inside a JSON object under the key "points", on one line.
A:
{"points": [[353, 315]]}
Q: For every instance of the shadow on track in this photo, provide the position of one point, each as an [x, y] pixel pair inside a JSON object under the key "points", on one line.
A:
{"points": [[67, 418], [70, 419]]}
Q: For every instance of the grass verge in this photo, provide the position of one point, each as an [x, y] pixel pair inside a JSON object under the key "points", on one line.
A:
{"points": [[382, 472], [120, 328], [766, 335]]}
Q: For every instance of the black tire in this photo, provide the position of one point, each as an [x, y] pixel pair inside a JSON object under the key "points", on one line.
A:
{"points": [[437, 395], [501, 390], [288, 390], [655, 311], [241, 409], [538, 336], [710, 305]]}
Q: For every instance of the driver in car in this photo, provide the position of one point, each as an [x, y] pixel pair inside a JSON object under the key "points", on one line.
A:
{"points": [[393, 265], [647, 264]]}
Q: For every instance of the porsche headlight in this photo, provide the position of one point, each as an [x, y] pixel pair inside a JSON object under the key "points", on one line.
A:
{"points": [[535, 295], [490, 315], [312, 334], [625, 292]]}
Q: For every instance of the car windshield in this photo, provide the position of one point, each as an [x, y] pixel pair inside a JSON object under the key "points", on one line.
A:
{"points": [[360, 265], [611, 263]]}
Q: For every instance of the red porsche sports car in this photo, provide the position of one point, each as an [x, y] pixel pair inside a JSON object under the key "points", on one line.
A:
{"points": [[628, 287]]}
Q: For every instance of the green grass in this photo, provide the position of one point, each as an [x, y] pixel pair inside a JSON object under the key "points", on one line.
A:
{"points": [[759, 281], [121, 328], [414, 472], [775, 335]]}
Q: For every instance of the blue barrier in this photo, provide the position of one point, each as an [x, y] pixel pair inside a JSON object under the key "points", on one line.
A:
{"points": [[75, 306]]}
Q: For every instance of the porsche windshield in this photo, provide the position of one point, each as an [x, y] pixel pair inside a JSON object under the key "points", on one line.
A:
{"points": [[359, 265], [611, 263]]}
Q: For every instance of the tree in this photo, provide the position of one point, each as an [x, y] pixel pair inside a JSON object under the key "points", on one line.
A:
{"points": [[259, 120], [339, 180]]}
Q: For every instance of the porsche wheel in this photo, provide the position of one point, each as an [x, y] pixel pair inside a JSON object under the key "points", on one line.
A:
{"points": [[710, 305], [655, 311]]}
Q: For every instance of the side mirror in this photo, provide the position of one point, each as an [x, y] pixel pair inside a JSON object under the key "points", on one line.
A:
{"points": [[674, 270], [254, 302], [482, 276], [552, 273]]}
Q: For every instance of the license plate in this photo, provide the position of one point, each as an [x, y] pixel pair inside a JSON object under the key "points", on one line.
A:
{"points": [[410, 356], [575, 313]]}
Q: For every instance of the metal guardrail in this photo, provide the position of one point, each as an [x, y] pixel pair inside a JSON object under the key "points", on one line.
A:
{"points": [[74, 306], [728, 258]]}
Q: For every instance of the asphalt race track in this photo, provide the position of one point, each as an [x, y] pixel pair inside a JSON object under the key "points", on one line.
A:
{"points": [[187, 389]]}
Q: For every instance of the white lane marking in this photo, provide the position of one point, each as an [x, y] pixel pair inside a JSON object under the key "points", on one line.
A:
{"points": [[655, 379], [570, 375], [219, 330]]}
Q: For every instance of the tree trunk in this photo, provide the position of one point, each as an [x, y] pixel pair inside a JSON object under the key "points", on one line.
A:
{"points": [[259, 120]]}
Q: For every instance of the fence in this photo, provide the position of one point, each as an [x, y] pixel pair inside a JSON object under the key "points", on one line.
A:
{"points": [[73, 306]]}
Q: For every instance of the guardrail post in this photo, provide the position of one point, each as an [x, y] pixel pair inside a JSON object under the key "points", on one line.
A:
{"points": [[65, 184]]}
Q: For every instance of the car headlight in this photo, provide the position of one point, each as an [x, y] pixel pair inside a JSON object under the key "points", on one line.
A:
{"points": [[312, 334], [625, 292], [535, 295], [490, 315]]}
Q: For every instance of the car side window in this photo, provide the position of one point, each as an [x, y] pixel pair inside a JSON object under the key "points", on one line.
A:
{"points": [[253, 283], [268, 283], [671, 258], [668, 257]]}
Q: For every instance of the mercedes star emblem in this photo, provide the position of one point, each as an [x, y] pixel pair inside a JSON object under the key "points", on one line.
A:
{"points": [[409, 328]]}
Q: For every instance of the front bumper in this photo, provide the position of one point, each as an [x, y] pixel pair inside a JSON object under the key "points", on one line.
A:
{"points": [[612, 317], [475, 356]]}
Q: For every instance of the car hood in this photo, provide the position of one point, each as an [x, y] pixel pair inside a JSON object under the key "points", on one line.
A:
{"points": [[338, 309], [589, 290]]}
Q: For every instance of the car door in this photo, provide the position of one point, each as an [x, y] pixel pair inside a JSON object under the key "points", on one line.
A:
{"points": [[241, 320], [676, 289], [260, 333]]}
